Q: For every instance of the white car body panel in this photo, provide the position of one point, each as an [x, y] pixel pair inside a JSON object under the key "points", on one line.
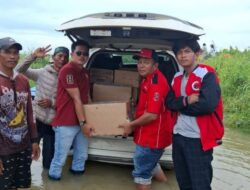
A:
{"points": [[152, 21], [97, 30], [119, 151]]}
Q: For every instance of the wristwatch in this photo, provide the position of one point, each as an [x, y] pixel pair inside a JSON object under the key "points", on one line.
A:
{"points": [[82, 122]]}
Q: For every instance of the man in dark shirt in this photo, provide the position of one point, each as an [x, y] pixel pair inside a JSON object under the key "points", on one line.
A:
{"points": [[18, 134]]}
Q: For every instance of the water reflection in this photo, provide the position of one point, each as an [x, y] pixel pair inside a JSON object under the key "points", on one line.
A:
{"points": [[98, 176], [232, 162], [231, 171]]}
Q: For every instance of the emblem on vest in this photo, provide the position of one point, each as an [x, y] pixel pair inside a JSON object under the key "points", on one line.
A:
{"points": [[195, 86], [156, 96], [70, 79]]}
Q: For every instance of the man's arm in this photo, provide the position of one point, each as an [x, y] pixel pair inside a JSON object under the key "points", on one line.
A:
{"points": [[143, 120], [175, 103], [178, 103], [197, 104], [155, 98], [24, 66], [209, 97], [32, 128], [75, 95]]}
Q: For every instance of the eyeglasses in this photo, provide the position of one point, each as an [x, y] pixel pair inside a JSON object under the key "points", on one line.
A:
{"points": [[79, 53]]}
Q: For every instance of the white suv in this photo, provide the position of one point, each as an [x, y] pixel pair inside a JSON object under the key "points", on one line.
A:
{"points": [[114, 38]]}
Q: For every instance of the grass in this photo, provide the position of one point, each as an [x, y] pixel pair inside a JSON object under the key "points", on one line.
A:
{"points": [[233, 68]]}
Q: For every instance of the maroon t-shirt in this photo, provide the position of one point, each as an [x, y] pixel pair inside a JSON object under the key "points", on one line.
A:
{"points": [[70, 76], [17, 128]]}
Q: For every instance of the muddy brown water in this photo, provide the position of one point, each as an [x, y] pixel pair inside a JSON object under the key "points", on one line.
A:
{"points": [[231, 171]]}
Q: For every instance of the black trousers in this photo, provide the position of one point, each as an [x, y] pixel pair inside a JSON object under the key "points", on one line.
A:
{"points": [[46, 133], [16, 173], [193, 166]]}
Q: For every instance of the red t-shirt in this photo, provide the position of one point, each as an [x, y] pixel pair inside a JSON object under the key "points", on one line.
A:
{"points": [[70, 76], [153, 91]]}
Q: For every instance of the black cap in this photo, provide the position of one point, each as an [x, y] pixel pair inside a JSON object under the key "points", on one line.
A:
{"points": [[61, 49], [7, 42]]}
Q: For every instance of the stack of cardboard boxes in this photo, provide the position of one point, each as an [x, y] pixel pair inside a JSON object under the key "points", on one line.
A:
{"points": [[113, 94]]}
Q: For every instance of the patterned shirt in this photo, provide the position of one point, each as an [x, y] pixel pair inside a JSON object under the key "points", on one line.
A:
{"points": [[17, 128]]}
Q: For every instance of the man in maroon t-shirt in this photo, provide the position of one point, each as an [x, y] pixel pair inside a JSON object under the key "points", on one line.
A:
{"points": [[151, 133], [69, 123]]}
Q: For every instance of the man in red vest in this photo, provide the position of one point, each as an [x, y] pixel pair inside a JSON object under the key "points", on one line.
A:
{"points": [[151, 132], [196, 98]]}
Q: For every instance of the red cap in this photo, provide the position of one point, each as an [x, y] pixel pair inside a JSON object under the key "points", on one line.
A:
{"points": [[146, 53]]}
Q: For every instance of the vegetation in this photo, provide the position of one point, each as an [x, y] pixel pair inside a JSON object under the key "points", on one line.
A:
{"points": [[233, 68]]}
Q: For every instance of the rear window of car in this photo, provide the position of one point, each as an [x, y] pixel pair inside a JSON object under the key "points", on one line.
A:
{"points": [[113, 60]]}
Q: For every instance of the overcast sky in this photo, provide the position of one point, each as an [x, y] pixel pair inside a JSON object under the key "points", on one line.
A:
{"points": [[33, 22]]}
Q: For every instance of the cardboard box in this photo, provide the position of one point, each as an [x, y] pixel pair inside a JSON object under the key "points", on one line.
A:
{"points": [[101, 75], [105, 92], [129, 78], [106, 117]]}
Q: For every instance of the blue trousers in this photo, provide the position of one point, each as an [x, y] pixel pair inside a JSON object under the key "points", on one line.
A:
{"points": [[65, 136], [145, 164]]}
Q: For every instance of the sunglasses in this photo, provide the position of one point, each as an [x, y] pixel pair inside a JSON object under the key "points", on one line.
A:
{"points": [[79, 53]]}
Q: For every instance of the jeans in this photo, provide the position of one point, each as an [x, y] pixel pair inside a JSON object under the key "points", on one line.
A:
{"points": [[65, 136], [145, 164]]}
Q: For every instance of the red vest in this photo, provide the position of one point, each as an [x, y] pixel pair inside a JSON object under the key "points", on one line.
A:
{"points": [[158, 133], [211, 125]]}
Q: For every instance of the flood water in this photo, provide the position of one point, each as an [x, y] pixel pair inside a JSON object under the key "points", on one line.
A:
{"points": [[231, 171]]}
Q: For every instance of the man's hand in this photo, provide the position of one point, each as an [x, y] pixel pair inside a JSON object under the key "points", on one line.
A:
{"points": [[44, 103], [1, 167], [127, 129], [87, 130], [41, 52], [193, 98], [35, 151]]}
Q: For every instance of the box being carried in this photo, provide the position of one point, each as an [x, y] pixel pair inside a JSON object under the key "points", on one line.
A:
{"points": [[106, 117]]}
